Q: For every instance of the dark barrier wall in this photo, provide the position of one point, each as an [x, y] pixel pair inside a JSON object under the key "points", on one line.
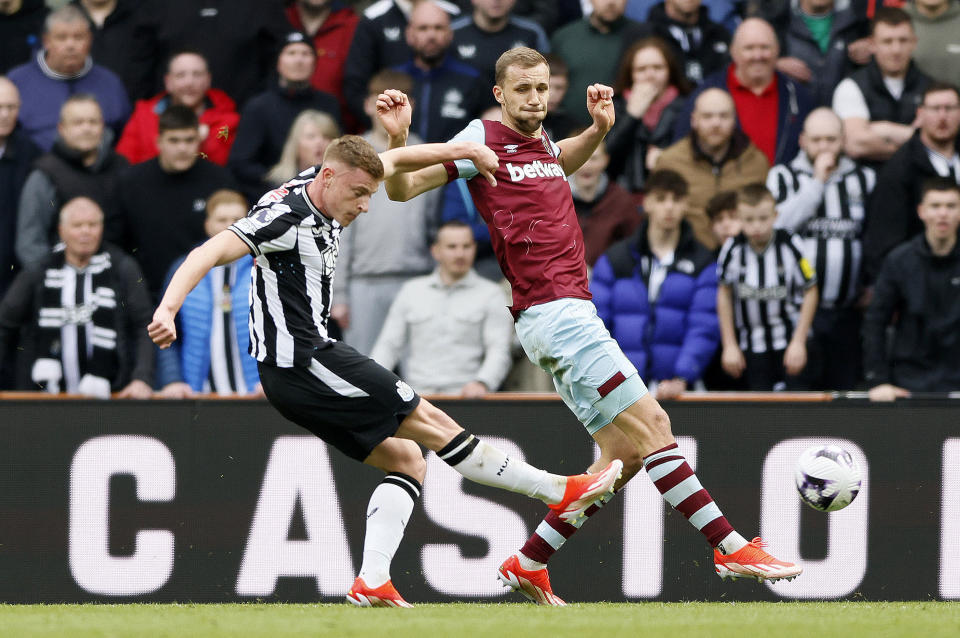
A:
{"points": [[221, 501]]}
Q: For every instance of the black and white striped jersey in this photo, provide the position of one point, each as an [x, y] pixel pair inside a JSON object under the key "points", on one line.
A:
{"points": [[829, 217], [767, 288], [295, 250]]}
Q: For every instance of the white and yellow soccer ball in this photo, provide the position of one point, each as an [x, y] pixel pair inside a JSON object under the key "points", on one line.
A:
{"points": [[827, 477]]}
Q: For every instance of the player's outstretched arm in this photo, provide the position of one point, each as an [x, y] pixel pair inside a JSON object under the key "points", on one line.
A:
{"points": [[578, 149], [222, 248], [412, 170]]}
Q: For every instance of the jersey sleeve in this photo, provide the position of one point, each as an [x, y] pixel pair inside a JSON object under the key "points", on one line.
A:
{"points": [[474, 132], [268, 229]]}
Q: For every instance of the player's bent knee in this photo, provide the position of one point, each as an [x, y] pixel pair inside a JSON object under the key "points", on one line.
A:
{"points": [[429, 425], [659, 422]]}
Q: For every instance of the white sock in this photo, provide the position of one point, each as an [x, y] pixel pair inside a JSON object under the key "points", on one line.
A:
{"points": [[487, 465], [388, 511], [732, 542]]}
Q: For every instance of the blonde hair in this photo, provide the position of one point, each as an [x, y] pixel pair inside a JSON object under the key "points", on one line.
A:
{"points": [[225, 196], [523, 57], [287, 167], [356, 152]]}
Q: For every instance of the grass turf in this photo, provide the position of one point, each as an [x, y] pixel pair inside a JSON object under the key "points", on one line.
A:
{"points": [[713, 620]]}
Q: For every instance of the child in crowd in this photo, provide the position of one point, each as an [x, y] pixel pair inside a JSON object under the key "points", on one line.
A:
{"points": [[766, 298], [722, 212]]}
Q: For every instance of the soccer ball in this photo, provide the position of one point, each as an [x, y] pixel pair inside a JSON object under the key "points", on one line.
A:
{"points": [[827, 478]]}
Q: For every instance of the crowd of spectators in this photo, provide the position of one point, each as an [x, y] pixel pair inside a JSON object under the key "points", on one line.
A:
{"points": [[775, 207]]}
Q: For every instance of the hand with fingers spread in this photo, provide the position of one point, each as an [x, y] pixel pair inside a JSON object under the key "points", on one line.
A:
{"points": [[600, 106], [394, 112]]}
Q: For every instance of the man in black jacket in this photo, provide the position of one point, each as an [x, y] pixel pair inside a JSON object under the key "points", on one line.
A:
{"points": [[378, 43], [919, 282], [702, 44], [878, 103], [266, 119], [16, 159], [931, 152], [161, 203]]}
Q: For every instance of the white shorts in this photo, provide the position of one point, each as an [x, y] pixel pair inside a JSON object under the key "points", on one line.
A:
{"points": [[566, 338]]}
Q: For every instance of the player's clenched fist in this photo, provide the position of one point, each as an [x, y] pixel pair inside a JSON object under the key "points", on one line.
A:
{"points": [[394, 112], [600, 105], [162, 329]]}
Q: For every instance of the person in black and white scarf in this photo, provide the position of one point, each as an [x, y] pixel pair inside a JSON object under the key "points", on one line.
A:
{"points": [[80, 316]]}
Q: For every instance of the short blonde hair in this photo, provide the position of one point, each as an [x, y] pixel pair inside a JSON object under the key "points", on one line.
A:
{"points": [[523, 57], [356, 152]]}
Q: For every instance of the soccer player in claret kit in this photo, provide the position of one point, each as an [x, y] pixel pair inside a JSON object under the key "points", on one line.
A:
{"points": [[327, 387], [537, 239]]}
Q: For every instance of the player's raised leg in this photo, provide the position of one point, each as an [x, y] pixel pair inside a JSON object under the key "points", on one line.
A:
{"points": [[568, 496]]}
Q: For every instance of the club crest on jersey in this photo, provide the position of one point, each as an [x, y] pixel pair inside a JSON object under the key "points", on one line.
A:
{"points": [[405, 391], [392, 33], [534, 170], [467, 50]]}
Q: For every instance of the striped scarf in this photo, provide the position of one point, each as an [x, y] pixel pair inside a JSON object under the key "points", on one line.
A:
{"points": [[77, 340]]}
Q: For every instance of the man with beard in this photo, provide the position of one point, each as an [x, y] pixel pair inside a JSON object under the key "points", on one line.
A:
{"points": [[535, 234], [448, 92], [930, 152], [715, 156]]}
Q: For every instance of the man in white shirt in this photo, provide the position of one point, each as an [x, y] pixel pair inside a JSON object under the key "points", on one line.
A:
{"points": [[878, 103], [451, 329]]}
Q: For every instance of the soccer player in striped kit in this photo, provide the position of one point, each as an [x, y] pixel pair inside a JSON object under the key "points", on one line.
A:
{"points": [[538, 243], [326, 386]]}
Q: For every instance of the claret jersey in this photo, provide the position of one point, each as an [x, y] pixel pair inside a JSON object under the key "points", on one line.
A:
{"points": [[533, 224]]}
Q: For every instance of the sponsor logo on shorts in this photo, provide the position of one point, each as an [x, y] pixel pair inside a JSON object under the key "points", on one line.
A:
{"points": [[405, 391]]}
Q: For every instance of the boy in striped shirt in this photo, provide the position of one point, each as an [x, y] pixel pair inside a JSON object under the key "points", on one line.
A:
{"points": [[766, 298]]}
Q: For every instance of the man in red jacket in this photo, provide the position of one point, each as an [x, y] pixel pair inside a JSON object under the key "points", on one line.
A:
{"points": [[187, 83]]}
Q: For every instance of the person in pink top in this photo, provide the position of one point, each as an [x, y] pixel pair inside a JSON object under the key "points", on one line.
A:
{"points": [[539, 245]]}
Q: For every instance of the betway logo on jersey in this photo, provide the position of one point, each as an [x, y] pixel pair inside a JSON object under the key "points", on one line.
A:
{"points": [[533, 170]]}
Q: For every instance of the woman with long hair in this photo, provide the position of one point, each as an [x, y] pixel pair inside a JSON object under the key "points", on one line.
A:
{"points": [[648, 97], [309, 137]]}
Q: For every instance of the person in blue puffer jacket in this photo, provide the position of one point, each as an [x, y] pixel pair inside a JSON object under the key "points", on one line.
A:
{"points": [[211, 354], [657, 293]]}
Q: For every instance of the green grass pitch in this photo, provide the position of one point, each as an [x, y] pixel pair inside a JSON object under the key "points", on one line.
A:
{"points": [[606, 620]]}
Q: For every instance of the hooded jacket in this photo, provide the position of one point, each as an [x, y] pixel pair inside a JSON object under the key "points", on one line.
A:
{"points": [[674, 336]]}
